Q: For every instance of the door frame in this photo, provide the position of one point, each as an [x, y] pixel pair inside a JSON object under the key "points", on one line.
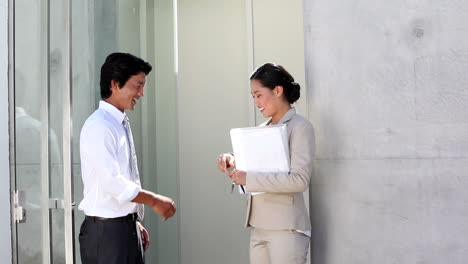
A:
{"points": [[5, 94], [11, 126], [67, 203]]}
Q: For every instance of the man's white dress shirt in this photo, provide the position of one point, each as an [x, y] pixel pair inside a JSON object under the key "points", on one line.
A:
{"points": [[105, 165]]}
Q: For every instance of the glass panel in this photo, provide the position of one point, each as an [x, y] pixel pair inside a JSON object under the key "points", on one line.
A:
{"points": [[159, 128], [40, 47], [31, 129], [144, 28], [58, 70], [92, 36]]}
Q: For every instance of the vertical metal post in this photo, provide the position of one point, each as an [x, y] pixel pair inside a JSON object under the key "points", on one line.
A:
{"points": [[67, 148], [145, 113], [44, 132], [11, 108], [250, 55]]}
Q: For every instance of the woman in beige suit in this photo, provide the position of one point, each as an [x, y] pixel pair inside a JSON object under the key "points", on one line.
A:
{"points": [[280, 223]]}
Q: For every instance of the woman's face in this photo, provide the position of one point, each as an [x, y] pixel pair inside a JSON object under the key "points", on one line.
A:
{"points": [[265, 99]]}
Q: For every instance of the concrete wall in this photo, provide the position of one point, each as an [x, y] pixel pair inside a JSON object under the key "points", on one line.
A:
{"points": [[388, 95], [5, 225]]}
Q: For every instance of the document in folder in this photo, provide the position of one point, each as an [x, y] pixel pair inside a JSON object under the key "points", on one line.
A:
{"points": [[261, 149]]}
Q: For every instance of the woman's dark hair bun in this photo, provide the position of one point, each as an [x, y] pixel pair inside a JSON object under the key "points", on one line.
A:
{"points": [[293, 92], [271, 75]]}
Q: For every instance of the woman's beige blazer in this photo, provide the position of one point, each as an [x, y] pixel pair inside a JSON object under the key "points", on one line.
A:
{"points": [[282, 205]]}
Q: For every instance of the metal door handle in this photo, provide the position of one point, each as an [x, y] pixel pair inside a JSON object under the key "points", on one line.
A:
{"points": [[20, 211]]}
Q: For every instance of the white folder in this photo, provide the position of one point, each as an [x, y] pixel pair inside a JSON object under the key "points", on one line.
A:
{"points": [[261, 149]]}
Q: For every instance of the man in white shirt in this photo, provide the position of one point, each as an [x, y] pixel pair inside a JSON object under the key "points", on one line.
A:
{"points": [[113, 198]]}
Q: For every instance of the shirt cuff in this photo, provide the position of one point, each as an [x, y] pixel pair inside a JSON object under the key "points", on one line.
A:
{"points": [[249, 181], [130, 192]]}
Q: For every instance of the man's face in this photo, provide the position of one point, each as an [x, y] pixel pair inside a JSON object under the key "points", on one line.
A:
{"points": [[125, 98]]}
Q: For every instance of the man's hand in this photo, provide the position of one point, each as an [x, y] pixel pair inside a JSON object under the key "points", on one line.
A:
{"points": [[164, 206], [144, 236], [225, 161]]}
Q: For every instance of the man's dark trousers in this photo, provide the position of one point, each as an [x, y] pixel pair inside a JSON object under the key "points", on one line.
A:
{"points": [[110, 241]]}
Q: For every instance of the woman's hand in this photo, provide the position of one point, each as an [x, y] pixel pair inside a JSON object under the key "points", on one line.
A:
{"points": [[238, 177], [225, 161]]}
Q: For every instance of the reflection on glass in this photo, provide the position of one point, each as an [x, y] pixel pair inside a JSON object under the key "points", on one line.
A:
{"points": [[37, 146], [29, 128], [28, 171], [29, 134]]}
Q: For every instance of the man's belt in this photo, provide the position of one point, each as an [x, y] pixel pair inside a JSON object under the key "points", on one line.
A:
{"points": [[129, 217]]}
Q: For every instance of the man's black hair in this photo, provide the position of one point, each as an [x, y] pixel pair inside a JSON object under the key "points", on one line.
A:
{"points": [[120, 67]]}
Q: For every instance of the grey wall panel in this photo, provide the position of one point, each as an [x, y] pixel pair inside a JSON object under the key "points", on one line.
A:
{"points": [[212, 97], [387, 94]]}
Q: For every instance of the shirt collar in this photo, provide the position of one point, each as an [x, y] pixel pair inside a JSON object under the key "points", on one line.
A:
{"points": [[286, 117], [116, 113]]}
